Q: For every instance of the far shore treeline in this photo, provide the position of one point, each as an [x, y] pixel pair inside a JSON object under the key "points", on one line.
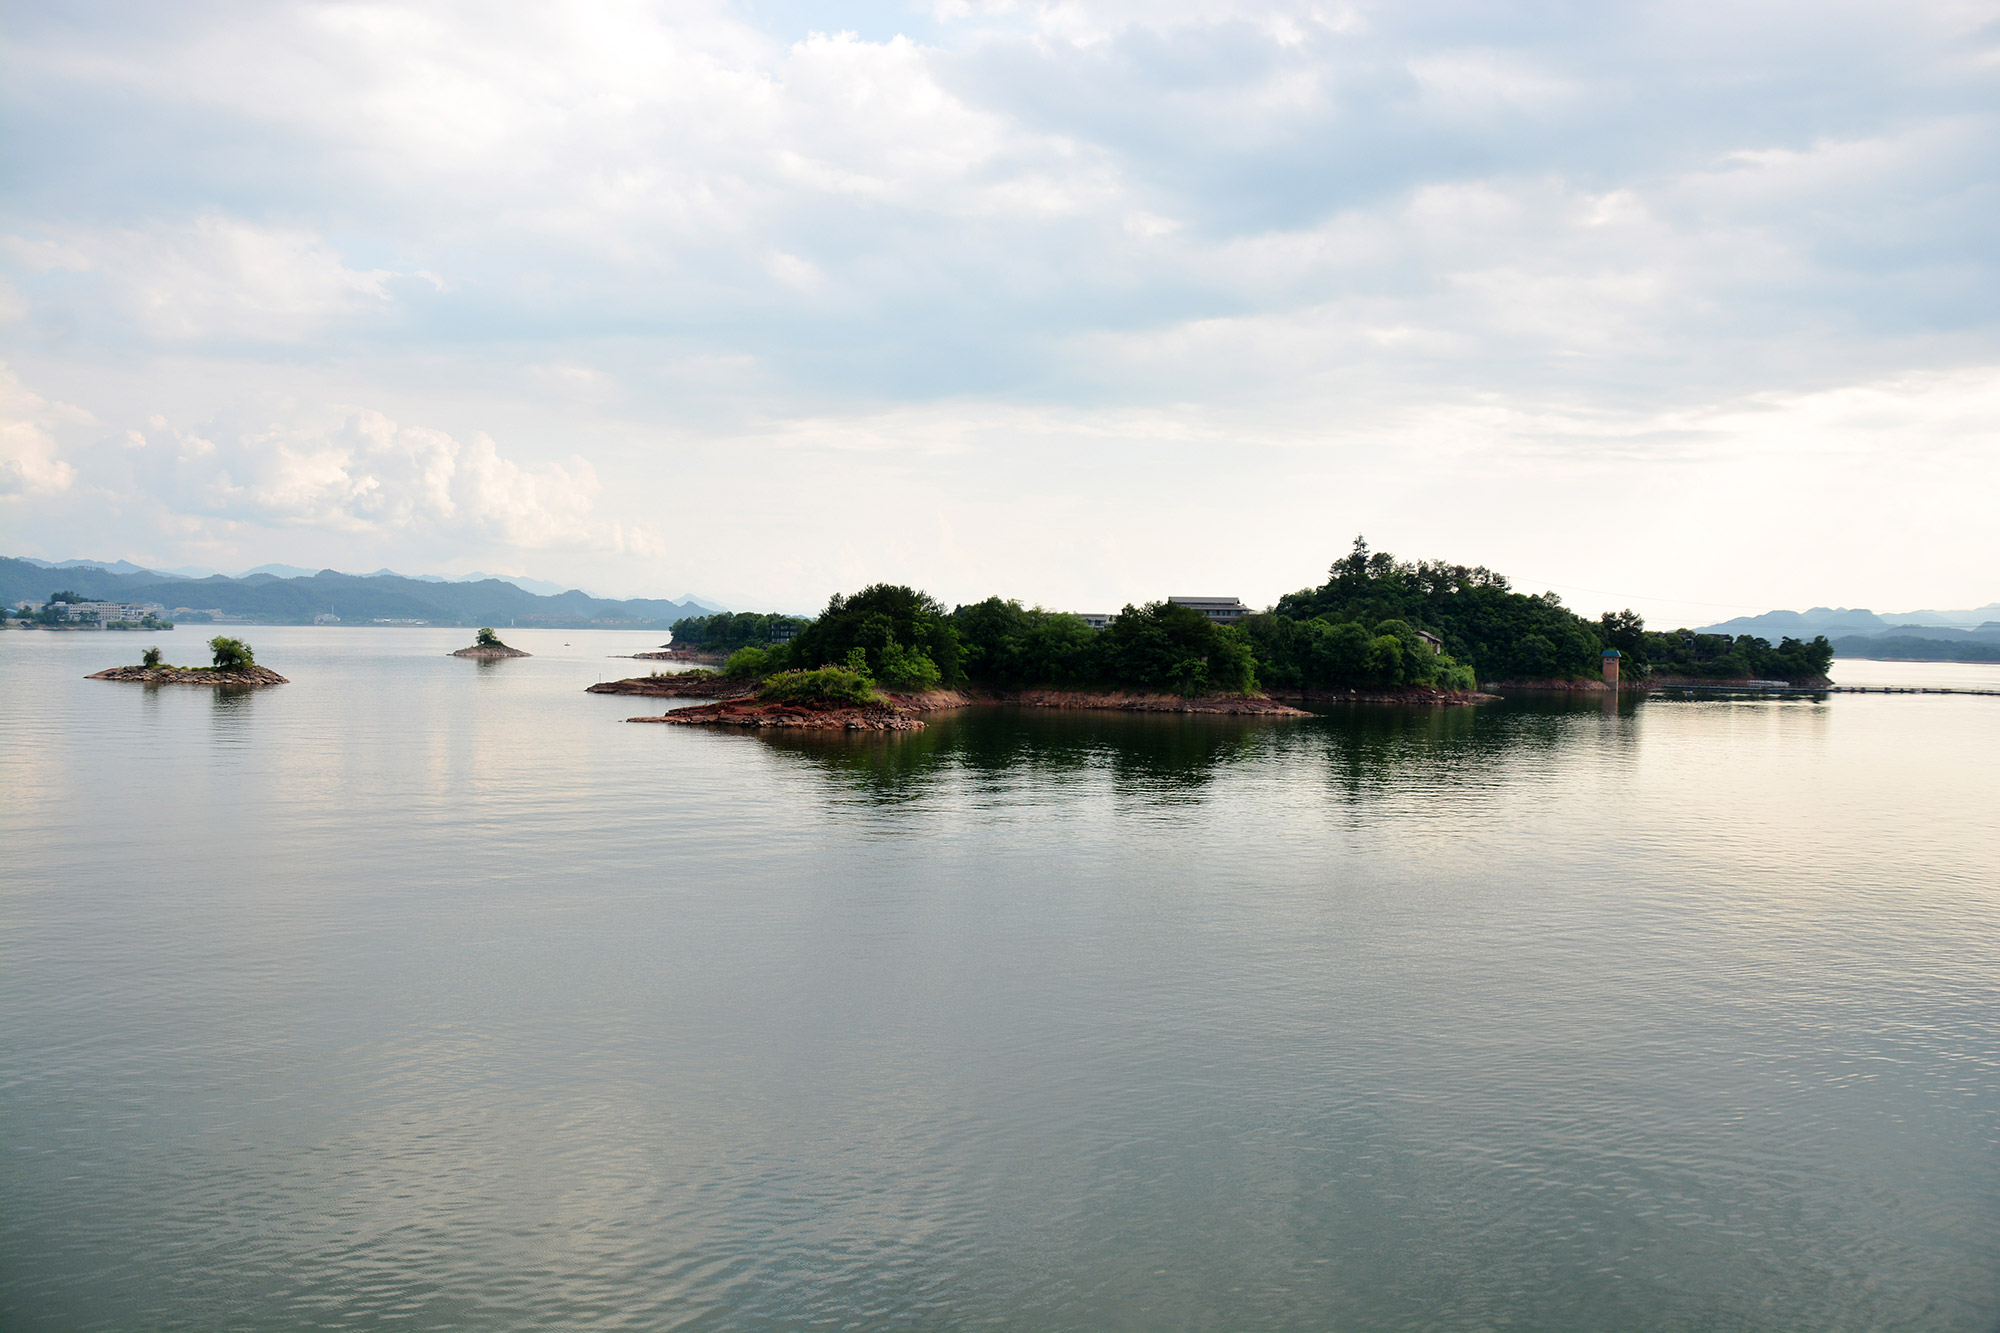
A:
{"points": [[1363, 628]]}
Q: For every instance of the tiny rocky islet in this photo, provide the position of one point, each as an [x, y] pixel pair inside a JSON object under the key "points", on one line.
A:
{"points": [[234, 665], [487, 646]]}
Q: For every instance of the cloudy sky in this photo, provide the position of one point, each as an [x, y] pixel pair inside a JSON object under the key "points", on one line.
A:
{"points": [[1693, 307]]}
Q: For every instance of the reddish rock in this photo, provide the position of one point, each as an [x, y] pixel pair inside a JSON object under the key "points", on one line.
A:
{"points": [[749, 713], [688, 685], [173, 675]]}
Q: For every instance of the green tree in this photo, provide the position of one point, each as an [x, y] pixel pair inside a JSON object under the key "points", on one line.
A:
{"points": [[486, 638], [1161, 646], [231, 654], [151, 657], [907, 668], [1482, 621], [726, 631], [1005, 646], [753, 663], [1626, 631], [886, 622]]}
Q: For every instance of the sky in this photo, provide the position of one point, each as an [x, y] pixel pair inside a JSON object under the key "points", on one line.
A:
{"points": [[1691, 307]]}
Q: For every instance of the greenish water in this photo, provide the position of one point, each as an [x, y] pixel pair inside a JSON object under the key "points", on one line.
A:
{"points": [[425, 993]]}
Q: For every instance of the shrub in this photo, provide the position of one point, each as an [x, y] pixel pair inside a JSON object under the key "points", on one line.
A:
{"points": [[908, 668], [876, 620], [151, 657], [231, 654], [750, 664], [486, 638], [827, 685]]}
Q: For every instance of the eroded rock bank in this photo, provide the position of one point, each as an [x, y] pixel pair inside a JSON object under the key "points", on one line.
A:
{"points": [[706, 655], [1388, 694], [173, 675], [686, 685], [1128, 702], [490, 651], [747, 712]]}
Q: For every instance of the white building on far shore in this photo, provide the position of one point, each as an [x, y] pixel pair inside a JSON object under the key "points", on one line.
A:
{"points": [[1224, 609]]}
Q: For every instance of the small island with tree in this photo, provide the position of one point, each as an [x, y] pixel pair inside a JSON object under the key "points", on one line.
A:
{"points": [[486, 644], [234, 664]]}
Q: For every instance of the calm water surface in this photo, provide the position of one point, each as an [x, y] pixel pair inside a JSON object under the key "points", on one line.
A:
{"points": [[425, 993]]}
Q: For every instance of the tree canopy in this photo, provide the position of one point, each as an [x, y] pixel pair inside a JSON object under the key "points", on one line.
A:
{"points": [[906, 638], [1485, 625], [1375, 622], [726, 631], [231, 654]]}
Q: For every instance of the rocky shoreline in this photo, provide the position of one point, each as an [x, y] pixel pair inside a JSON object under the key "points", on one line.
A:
{"points": [[686, 685], [491, 652], [1389, 694], [703, 655], [1119, 701], [735, 702], [747, 712], [173, 675]]}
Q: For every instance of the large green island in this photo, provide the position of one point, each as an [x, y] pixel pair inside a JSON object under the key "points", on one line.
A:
{"points": [[1378, 630]]}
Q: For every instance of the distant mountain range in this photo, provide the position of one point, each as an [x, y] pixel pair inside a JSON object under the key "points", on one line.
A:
{"points": [[540, 587], [287, 595], [1945, 636]]}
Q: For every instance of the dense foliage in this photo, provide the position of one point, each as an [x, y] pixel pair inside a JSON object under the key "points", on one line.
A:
{"points": [[1715, 656], [905, 638], [486, 638], [1160, 646], [726, 631], [1484, 624], [231, 654], [824, 685], [1007, 647], [1376, 622]]}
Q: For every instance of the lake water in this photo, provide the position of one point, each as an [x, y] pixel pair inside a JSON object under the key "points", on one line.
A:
{"points": [[426, 993]]}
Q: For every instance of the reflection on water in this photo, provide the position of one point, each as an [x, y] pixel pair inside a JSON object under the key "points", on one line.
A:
{"points": [[231, 706], [1355, 749], [1160, 753], [406, 996]]}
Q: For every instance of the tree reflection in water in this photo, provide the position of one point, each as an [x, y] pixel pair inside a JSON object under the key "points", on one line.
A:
{"points": [[989, 748], [1359, 750]]}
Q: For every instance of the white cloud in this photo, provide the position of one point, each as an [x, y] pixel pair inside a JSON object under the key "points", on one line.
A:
{"points": [[31, 464], [349, 475], [370, 475], [214, 277]]}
